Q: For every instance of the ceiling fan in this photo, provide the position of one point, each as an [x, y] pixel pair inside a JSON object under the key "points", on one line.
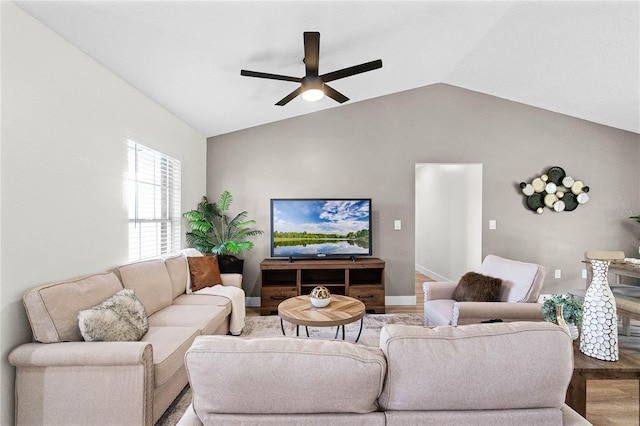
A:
{"points": [[313, 86]]}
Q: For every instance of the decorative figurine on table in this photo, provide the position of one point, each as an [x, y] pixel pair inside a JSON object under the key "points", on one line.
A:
{"points": [[320, 297]]}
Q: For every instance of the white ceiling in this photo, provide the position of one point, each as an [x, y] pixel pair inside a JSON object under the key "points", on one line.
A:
{"points": [[576, 58]]}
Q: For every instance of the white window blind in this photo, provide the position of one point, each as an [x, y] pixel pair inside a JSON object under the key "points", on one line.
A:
{"points": [[154, 203]]}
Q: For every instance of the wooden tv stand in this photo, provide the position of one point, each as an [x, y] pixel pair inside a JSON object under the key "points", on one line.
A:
{"points": [[362, 279]]}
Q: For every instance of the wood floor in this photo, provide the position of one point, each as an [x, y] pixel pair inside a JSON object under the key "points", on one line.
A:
{"points": [[609, 402]]}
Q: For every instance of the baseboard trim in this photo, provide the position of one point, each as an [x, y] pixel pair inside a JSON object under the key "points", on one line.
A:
{"points": [[253, 302], [431, 274], [400, 300]]}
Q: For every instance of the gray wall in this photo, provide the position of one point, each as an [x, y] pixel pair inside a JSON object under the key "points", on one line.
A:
{"points": [[369, 149]]}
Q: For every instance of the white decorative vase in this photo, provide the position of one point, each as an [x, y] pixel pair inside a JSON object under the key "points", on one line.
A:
{"points": [[599, 337]]}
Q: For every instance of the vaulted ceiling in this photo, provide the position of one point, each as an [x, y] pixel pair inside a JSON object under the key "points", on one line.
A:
{"points": [[576, 58]]}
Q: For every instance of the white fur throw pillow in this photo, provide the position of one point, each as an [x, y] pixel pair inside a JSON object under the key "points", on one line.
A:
{"points": [[119, 318]]}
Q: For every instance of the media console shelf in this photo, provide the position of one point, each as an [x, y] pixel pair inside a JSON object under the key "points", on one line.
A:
{"points": [[362, 279]]}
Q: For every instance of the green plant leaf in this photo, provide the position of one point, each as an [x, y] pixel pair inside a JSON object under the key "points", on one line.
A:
{"points": [[225, 201], [218, 249], [233, 247], [245, 245], [245, 223], [237, 220], [246, 232], [200, 234], [200, 226], [193, 215], [236, 247]]}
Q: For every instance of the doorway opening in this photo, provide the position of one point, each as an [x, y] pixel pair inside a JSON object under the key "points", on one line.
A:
{"points": [[448, 219]]}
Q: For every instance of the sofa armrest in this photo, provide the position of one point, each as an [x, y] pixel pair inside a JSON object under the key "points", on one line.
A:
{"points": [[81, 354], [234, 280], [438, 290], [113, 380], [474, 312]]}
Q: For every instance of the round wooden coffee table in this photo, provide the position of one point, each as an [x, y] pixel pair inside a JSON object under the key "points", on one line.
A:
{"points": [[340, 311]]}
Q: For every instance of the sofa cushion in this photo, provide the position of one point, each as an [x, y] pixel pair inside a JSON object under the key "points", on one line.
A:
{"points": [[204, 272], [531, 416], [119, 318], [205, 318], [475, 287], [463, 368], [178, 269], [169, 347], [325, 419], [295, 376], [202, 299], [53, 308], [521, 281], [151, 282]]}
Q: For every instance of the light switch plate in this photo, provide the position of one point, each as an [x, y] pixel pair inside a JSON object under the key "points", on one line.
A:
{"points": [[558, 273], [492, 224], [397, 224]]}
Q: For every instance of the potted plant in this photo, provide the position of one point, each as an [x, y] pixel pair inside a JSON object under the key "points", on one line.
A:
{"points": [[571, 311], [214, 231]]}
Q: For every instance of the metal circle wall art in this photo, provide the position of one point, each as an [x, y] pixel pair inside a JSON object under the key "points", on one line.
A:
{"points": [[555, 190]]}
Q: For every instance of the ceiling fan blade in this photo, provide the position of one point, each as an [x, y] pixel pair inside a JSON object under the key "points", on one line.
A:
{"points": [[311, 52], [356, 69], [334, 94], [289, 97], [269, 76]]}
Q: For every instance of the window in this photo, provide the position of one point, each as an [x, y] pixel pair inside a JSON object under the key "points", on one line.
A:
{"points": [[154, 203]]}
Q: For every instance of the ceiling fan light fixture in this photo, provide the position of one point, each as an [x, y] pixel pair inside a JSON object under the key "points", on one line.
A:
{"points": [[312, 95], [312, 85]]}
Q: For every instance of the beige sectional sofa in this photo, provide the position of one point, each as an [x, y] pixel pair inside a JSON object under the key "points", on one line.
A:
{"points": [[62, 379], [481, 374]]}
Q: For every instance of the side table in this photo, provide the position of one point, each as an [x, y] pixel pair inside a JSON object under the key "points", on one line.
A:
{"points": [[587, 368]]}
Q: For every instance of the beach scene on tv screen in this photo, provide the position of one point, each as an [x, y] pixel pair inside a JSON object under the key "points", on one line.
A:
{"points": [[313, 227]]}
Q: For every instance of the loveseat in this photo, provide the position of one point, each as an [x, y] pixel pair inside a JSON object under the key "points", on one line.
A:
{"points": [[63, 380], [482, 374]]}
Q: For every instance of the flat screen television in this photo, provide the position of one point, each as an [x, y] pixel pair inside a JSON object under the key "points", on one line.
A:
{"points": [[320, 228]]}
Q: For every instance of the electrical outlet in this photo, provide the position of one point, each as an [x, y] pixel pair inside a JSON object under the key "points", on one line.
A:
{"points": [[397, 224], [558, 273], [492, 224]]}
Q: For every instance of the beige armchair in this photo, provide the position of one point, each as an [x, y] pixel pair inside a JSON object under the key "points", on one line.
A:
{"points": [[521, 285]]}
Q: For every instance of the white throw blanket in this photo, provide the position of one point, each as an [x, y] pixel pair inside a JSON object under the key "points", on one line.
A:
{"points": [[236, 295]]}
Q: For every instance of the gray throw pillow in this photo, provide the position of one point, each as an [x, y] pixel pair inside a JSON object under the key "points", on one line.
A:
{"points": [[119, 318]]}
